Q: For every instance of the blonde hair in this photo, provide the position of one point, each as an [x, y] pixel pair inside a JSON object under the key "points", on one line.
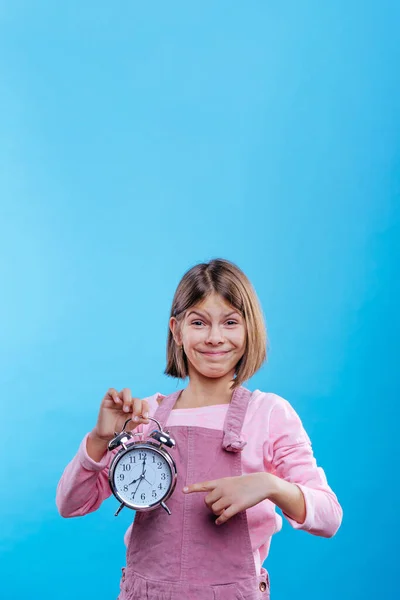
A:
{"points": [[225, 278]]}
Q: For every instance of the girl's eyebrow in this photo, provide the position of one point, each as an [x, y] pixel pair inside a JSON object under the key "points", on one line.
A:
{"points": [[233, 312]]}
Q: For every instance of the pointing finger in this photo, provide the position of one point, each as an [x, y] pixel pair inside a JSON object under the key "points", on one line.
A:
{"points": [[205, 486]]}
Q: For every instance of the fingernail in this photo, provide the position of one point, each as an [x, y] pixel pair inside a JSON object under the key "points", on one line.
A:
{"points": [[136, 419], [185, 489], [146, 414], [126, 408]]}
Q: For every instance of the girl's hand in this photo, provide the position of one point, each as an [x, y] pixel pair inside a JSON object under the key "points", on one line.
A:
{"points": [[115, 409], [231, 495]]}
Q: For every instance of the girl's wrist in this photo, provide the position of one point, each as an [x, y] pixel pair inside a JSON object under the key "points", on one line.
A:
{"points": [[95, 436], [287, 496], [272, 486], [96, 447]]}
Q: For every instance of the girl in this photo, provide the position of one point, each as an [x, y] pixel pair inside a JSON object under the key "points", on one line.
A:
{"points": [[238, 453]]}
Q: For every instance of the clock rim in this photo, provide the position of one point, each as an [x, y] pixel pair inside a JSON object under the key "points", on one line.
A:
{"points": [[149, 446]]}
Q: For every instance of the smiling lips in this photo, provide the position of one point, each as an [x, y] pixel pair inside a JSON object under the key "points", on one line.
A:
{"points": [[215, 353]]}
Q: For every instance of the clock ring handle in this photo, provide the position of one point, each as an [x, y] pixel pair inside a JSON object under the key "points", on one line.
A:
{"points": [[155, 421], [160, 436], [149, 418]]}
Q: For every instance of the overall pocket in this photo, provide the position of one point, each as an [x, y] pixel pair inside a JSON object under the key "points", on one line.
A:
{"points": [[228, 591]]}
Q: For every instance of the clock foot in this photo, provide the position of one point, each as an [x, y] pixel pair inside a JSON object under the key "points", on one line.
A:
{"points": [[121, 506], [165, 507]]}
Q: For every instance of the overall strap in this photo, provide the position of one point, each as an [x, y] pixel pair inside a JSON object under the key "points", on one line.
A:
{"points": [[232, 441], [234, 420], [164, 408]]}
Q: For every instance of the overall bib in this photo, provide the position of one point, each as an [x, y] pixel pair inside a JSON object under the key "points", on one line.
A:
{"points": [[185, 556]]}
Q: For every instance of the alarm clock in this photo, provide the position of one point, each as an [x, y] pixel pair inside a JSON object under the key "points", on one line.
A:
{"points": [[142, 475]]}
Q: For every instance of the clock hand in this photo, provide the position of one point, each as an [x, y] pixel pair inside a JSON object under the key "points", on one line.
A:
{"points": [[140, 481], [134, 481], [143, 477]]}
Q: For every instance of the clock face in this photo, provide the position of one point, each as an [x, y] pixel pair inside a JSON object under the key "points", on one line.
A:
{"points": [[142, 477]]}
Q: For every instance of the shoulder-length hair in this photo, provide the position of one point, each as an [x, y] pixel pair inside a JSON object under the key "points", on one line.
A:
{"points": [[225, 278]]}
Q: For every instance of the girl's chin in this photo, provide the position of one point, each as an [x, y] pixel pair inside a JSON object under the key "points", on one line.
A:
{"points": [[213, 373]]}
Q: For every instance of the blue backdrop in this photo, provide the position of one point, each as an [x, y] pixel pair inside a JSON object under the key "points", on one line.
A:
{"points": [[138, 139]]}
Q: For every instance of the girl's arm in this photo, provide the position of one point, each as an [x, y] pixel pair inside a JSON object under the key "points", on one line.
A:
{"points": [[84, 484], [288, 455]]}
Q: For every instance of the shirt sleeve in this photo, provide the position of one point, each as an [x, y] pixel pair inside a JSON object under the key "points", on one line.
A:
{"points": [[84, 483], [288, 454]]}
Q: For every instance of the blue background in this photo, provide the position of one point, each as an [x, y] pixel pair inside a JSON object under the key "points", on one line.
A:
{"points": [[138, 139]]}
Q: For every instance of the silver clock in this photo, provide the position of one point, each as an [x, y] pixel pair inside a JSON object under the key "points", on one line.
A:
{"points": [[142, 474]]}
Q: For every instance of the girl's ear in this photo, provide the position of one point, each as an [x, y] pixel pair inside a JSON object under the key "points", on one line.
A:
{"points": [[174, 327]]}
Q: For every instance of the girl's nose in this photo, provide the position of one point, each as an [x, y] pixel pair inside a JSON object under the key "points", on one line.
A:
{"points": [[215, 335]]}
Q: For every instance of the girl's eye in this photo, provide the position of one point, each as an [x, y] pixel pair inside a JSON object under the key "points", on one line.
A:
{"points": [[230, 322]]}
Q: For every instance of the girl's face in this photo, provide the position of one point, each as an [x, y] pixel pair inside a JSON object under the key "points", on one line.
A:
{"points": [[213, 335]]}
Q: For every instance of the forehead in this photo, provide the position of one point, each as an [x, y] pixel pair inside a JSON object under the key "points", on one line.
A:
{"points": [[213, 304]]}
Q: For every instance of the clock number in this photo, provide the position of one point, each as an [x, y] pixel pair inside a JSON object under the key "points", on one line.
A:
{"points": [[143, 496], [121, 477], [154, 494], [160, 486], [125, 488], [126, 467], [142, 455], [159, 465], [132, 458], [154, 458], [163, 476]]}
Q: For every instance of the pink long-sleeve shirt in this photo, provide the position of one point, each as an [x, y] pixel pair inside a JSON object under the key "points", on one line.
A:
{"points": [[276, 443]]}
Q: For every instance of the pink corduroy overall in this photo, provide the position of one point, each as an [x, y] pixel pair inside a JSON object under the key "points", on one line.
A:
{"points": [[185, 556]]}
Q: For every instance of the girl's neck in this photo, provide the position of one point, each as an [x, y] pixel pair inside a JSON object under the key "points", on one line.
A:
{"points": [[205, 392]]}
